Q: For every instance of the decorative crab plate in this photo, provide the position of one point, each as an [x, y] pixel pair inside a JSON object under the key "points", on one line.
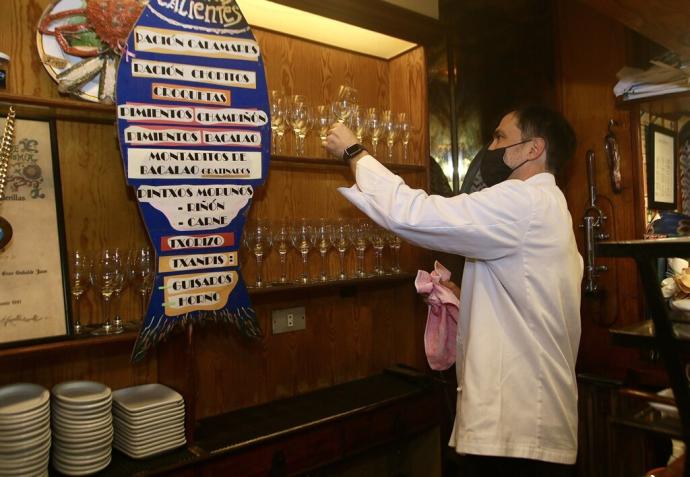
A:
{"points": [[80, 41]]}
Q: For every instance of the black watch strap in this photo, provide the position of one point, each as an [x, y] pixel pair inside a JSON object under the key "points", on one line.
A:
{"points": [[352, 151]]}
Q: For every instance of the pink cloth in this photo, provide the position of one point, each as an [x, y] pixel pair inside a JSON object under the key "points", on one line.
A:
{"points": [[442, 320]]}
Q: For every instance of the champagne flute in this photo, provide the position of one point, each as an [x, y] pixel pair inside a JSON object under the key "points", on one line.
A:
{"points": [[404, 132], [374, 128], [323, 121], [278, 126], [144, 273], [281, 238], [303, 240], [80, 281], [341, 240], [324, 244], [360, 238], [107, 279], [259, 240]]}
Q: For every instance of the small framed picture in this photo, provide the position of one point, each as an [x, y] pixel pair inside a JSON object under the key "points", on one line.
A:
{"points": [[34, 300], [662, 168]]}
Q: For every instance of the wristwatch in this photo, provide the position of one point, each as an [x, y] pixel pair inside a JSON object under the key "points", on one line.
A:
{"points": [[352, 151]]}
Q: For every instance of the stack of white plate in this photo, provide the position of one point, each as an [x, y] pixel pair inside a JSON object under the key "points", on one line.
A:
{"points": [[148, 420], [24, 430], [82, 427]]}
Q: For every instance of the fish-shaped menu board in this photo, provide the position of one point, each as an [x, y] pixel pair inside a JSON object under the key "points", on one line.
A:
{"points": [[194, 129]]}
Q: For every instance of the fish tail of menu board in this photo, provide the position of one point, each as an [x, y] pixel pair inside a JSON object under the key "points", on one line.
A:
{"points": [[194, 131]]}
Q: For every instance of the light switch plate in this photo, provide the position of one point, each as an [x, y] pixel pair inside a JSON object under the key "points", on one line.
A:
{"points": [[288, 319]]}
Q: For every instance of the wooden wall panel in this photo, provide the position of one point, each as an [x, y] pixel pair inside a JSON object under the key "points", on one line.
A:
{"points": [[587, 73]]}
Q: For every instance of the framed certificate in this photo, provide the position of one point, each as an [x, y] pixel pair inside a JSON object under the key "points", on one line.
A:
{"points": [[34, 302], [662, 168]]}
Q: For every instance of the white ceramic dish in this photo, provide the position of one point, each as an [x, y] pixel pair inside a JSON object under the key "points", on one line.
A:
{"points": [[22, 419], [81, 470], [18, 447], [32, 468], [74, 438], [83, 414], [29, 451], [27, 435], [83, 446], [82, 426], [147, 425], [85, 460], [148, 415], [142, 452], [88, 407], [665, 408], [147, 432], [145, 397], [34, 459], [22, 398], [7, 432], [81, 392]]}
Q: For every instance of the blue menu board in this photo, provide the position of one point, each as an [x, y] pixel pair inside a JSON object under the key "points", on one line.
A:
{"points": [[194, 130]]}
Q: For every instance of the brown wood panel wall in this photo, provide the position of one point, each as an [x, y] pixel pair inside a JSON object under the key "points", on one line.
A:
{"points": [[346, 337], [587, 72]]}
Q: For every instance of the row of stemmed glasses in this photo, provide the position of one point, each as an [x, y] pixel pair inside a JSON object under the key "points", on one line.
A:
{"points": [[322, 235], [110, 272], [294, 112]]}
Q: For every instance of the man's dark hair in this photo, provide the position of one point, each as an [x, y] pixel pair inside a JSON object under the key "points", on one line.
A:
{"points": [[538, 121]]}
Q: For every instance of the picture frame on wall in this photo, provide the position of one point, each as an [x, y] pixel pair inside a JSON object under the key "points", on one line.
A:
{"points": [[34, 277], [662, 168]]}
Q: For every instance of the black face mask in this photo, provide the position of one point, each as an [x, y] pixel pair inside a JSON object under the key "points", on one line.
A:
{"points": [[493, 166]]}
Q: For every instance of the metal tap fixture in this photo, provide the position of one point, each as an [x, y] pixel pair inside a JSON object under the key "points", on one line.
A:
{"points": [[593, 222]]}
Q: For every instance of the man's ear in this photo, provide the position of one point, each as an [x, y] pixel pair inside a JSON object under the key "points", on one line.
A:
{"points": [[537, 148]]}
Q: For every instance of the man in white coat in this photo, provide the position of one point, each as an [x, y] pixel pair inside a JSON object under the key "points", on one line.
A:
{"points": [[519, 324]]}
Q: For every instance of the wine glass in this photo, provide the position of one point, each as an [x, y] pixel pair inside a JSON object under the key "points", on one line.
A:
{"points": [[377, 240], [281, 238], [358, 123], [360, 238], [390, 131], [121, 286], [258, 239], [394, 243], [323, 234], [80, 281], [107, 278], [278, 125], [374, 127], [323, 121], [301, 120], [343, 105], [341, 240], [404, 132], [303, 239], [143, 275]]}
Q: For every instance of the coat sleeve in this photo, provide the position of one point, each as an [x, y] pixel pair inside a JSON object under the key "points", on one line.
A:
{"points": [[485, 225]]}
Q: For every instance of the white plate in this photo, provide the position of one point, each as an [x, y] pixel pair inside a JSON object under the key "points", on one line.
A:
{"points": [[16, 448], [9, 464], [29, 451], [137, 441], [82, 426], [7, 432], [22, 398], [26, 436], [22, 419], [83, 446], [150, 413], [81, 470], [156, 423], [141, 452], [145, 397], [33, 468], [91, 407], [91, 450], [81, 392], [76, 438], [163, 416], [665, 408], [149, 431], [151, 410], [79, 418], [85, 460]]}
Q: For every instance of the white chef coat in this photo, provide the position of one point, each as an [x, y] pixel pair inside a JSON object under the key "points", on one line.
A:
{"points": [[519, 325]]}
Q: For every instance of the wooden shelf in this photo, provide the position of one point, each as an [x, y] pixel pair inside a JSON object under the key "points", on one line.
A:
{"points": [[33, 107], [87, 341], [297, 161], [670, 106], [642, 334]]}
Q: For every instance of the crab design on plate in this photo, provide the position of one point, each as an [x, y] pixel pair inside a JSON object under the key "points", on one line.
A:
{"points": [[87, 36]]}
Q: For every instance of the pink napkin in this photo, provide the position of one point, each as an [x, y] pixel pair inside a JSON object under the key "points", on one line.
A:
{"points": [[442, 320]]}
